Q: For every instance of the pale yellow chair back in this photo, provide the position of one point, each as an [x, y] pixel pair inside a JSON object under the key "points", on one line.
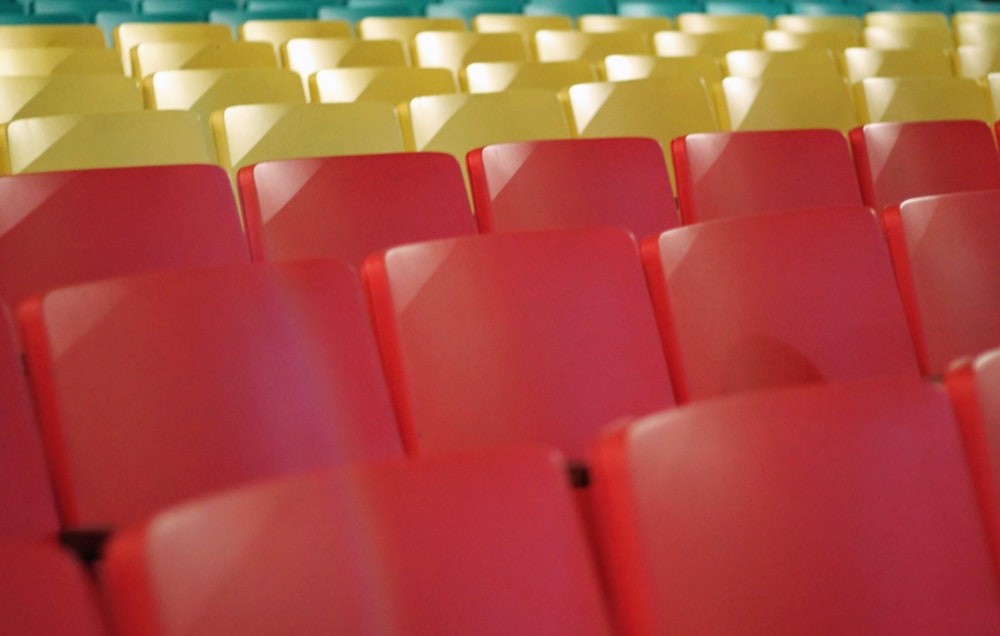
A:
{"points": [[660, 108], [59, 60], [976, 61], [277, 32], [305, 56], [454, 50], [780, 103], [907, 38], [205, 91], [907, 20], [403, 29], [393, 84], [246, 135], [150, 57], [492, 77], [978, 34], [859, 63], [596, 23], [674, 43], [775, 40], [959, 18], [106, 140], [722, 23], [526, 25], [458, 123], [34, 35], [750, 63], [619, 68], [130, 34], [798, 23], [921, 99], [22, 97], [563, 46], [992, 84]]}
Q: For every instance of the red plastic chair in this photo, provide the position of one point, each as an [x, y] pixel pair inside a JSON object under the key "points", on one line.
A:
{"points": [[63, 228], [27, 505], [899, 161], [844, 508], [566, 183], [349, 207], [783, 298], [946, 254], [536, 336], [43, 590], [152, 389], [727, 174], [484, 543]]}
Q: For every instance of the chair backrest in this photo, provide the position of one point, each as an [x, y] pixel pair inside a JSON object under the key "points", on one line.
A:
{"points": [[205, 91], [562, 183], [64, 228], [906, 20], [946, 254], [404, 28], [59, 60], [130, 34], [533, 336], [716, 23], [278, 32], [104, 140], [921, 99], [305, 56], [618, 68], [26, 496], [563, 46], [784, 298], [598, 23], [265, 132], [671, 43], [859, 63], [44, 590], [806, 508], [978, 62], [454, 50], [458, 123], [783, 103], [907, 38], [901, 160], [150, 57], [752, 63], [155, 388], [660, 108], [392, 84], [34, 35], [727, 174], [368, 549], [832, 40], [492, 77], [519, 23], [352, 206], [23, 97]]}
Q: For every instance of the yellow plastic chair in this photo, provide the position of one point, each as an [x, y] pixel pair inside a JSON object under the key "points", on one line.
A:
{"points": [[205, 91], [907, 20], [458, 123], [767, 63], [277, 32], [798, 23], [775, 40], [59, 60], [131, 34], [859, 63], [960, 18], [492, 77], [596, 23], [921, 99], [780, 103], [393, 84], [655, 107], [722, 23], [455, 50], [976, 61], [246, 135], [22, 97], [34, 35], [992, 85], [308, 55], [619, 68], [907, 38], [390, 28], [526, 25], [978, 34], [562, 46], [674, 43], [106, 140], [150, 57]]}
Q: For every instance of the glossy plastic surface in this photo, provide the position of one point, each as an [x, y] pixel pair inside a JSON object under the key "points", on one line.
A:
{"points": [[860, 62], [22, 97], [150, 57], [900, 99], [785, 298], [728, 174], [350, 207], [391, 84], [845, 508], [564, 183], [308, 55], [785, 103], [205, 91], [454, 50], [154, 389], [59, 60], [478, 543], [544, 337], [490, 77], [130, 34], [563, 46], [898, 161]]}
